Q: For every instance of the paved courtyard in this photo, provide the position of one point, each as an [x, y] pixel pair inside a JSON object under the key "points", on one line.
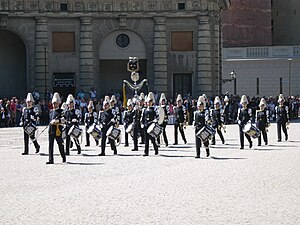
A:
{"points": [[252, 186]]}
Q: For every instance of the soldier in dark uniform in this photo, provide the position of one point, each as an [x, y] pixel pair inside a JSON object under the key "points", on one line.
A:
{"points": [[200, 117], [55, 129], [72, 119], [180, 120], [90, 118], [115, 110], [282, 118], [136, 124], [244, 117], [162, 102], [29, 116], [262, 121], [128, 119], [149, 117], [106, 119], [226, 112], [216, 118], [142, 107]]}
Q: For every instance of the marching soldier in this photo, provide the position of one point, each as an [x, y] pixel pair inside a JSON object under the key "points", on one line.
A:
{"points": [[226, 110], [72, 119], [244, 117], [128, 119], [106, 119], [29, 116], [162, 102], [180, 120], [136, 124], [262, 121], [282, 118], [200, 117], [216, 119], [90, 118], [142, 107], [149, 117], [55, 129]]}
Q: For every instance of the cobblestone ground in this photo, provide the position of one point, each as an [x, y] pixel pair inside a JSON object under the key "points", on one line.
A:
{"points": [[252, 186]]}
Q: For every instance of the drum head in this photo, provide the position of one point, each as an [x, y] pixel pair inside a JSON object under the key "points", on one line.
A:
{"points": [[109, 130], [161, 114], [247, 127], [90, 130], [150, 128]]}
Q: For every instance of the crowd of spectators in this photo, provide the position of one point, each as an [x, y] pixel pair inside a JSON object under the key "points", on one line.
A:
{"points": [[11, 108]]}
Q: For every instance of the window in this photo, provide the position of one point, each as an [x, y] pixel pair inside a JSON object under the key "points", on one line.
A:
{"points": [[122, 40], [63, 7], [182, 41], [63, 41], [181, 6]]}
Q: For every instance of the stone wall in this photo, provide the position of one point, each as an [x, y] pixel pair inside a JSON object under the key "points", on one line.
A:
{"points": [[247, 23]]}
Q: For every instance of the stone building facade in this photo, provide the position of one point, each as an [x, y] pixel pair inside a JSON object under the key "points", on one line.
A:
{"points": [[71, 45]]}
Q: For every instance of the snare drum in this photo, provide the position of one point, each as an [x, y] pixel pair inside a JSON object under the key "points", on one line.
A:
{"points": [[113, 133], [251, 130], [206, 133], [30, 129], [154, 130], [95, 132], [75, 131]]}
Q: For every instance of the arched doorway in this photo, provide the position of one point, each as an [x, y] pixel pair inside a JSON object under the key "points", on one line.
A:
{"points": [[114, 51], [13, 72]]}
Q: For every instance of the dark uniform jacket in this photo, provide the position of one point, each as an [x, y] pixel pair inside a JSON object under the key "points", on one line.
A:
{"points": [[105, 119], [149, 115], [28, 116], [262, 118], [179, 114], [70, 115], [216, 118], [244, 116], [282, 115], [56, 129]]}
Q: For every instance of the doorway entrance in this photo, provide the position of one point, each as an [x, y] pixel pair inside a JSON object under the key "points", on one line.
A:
{"points": [[182, 84]]}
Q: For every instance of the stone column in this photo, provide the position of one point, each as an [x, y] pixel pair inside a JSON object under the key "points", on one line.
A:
{"points": [[215, 27], [160, 55], [41, 56], [204, 57], [86, 58]]}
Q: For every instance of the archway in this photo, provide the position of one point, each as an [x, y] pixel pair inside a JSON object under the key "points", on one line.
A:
{"points": [[13, 72], [114, 51]]}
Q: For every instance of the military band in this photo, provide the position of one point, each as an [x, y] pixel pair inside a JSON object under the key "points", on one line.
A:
{"points": [[146, 119]]}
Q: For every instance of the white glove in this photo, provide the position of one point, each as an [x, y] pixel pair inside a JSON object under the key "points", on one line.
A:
{"points": [[239, 122], [142, 125], [155, 120], [32, 117], [21, 124], [54, 121], [113, 120], [74, 120]]}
